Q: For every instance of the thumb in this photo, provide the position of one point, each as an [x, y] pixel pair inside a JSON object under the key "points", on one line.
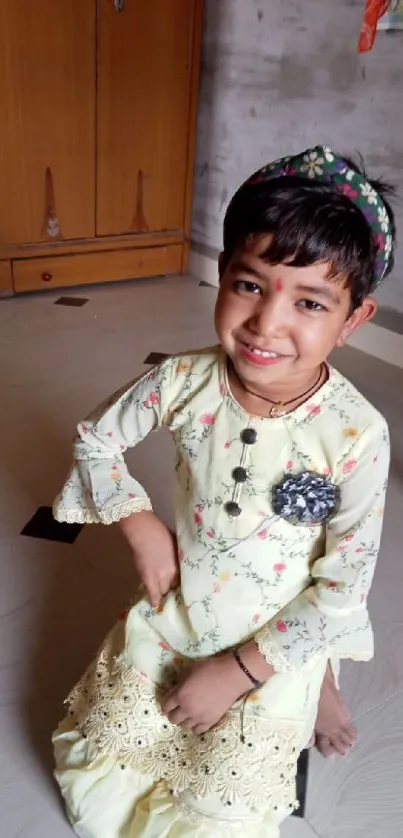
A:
{"points": [[154, 594]]}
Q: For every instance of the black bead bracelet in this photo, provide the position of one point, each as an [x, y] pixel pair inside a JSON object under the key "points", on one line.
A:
{"points": [[257, 684]]}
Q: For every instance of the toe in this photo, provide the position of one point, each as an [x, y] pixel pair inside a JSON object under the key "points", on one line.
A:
{"points": [[343, 740], [325, 746]]}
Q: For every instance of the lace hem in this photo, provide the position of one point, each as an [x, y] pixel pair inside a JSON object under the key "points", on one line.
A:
{"points": [[116, 708], [109, 516], [357, 657], [276, 659], [223, 825], [271, 652]]}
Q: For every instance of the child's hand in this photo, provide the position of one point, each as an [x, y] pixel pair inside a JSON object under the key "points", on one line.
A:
{"points": [[207, 692], [155, 554]]}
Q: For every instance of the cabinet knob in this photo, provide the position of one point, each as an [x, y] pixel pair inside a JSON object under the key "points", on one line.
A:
{"points": [[47, 277], [119, 5]]}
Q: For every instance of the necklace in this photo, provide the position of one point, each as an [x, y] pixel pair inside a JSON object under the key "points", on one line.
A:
{"points": [[279, 408]]}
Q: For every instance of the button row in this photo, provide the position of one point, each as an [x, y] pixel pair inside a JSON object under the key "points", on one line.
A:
{"points": [[240, 475]]}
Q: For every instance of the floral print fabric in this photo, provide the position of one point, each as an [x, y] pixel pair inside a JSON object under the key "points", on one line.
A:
{"points": [[301, 591]]}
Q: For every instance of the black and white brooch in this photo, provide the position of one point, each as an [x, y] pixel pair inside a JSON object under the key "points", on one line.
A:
{"points": [[306, 499]]}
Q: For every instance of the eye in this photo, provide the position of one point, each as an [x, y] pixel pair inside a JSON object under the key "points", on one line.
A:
{"points": [[311, 305], [246, 287]]}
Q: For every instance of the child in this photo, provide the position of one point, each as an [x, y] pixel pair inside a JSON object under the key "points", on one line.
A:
{"points": [[193, 715]]}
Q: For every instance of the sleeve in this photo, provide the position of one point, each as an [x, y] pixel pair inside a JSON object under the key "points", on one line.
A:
{"points": [[330, 618], [99, 488]]}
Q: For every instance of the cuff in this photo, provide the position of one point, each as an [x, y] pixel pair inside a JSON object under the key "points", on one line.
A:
{"points": [[103, 516]]}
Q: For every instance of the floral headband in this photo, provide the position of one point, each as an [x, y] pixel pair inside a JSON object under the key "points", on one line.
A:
{"points": [[320, 164]]}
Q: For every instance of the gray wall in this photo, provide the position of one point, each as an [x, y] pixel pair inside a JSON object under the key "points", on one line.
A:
{"points": [[281, 75]]}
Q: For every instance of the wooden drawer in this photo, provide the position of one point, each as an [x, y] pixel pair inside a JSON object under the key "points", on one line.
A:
{"points": [[86, 268], [6, 279]]}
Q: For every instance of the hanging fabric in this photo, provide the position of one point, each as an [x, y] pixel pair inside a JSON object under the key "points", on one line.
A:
{"points": [[374, 9]]}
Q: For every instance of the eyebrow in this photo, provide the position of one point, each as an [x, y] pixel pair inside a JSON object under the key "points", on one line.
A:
{"points": [[244, 268], [325, 293]]}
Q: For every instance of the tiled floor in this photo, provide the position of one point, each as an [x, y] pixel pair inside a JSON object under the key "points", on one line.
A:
{"points": [[57, 600]]}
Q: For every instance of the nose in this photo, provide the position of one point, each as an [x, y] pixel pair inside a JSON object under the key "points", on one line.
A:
{"points": [[271, 317]]}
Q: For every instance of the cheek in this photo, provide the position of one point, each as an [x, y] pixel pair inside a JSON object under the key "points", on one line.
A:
{"points": [[229, 310], [318, 338], [223, 313]]}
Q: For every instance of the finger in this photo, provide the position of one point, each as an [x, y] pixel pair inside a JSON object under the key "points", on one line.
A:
{"points": [[170, 702], [174, 582], [187, 724], [170, 584], [178, 716], [165, 588], [200, 729], [153, 593]]}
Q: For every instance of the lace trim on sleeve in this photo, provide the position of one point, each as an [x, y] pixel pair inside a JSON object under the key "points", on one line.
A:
{"points": [[107, 516]]}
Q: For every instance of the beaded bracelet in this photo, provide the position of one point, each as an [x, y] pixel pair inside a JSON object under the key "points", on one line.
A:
{"points": [[257, 684]]}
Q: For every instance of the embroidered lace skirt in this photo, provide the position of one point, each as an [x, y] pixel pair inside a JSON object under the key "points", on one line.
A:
{"points": [[126, 772]]}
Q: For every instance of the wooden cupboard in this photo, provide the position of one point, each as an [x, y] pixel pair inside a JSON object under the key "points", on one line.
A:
{"points": [[98, 102]]}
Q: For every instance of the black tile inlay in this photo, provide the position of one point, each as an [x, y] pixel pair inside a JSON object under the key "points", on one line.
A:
{"points": [[155, 358], [43, 525], [302, 782], [71, 301]]}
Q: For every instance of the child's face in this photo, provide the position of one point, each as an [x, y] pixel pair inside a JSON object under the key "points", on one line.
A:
{"points": [[295, 316]]}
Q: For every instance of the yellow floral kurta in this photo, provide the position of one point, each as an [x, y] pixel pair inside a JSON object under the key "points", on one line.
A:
{"points": [[246, 572]]}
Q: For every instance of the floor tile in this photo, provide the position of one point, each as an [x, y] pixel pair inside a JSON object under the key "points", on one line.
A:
{"points": [[16, 504], [360, 797], [294, 828]]}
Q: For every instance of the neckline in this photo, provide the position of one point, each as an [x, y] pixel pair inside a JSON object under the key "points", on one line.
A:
{"points": [[298, 414]]}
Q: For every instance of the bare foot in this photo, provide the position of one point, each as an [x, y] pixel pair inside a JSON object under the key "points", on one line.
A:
{"points": [[334, 732]]}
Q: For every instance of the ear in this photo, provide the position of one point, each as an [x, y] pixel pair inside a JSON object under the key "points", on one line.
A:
{"points": [[363, 314]]}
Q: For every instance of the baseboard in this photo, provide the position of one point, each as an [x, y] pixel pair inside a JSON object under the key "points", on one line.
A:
{"points": [[203, 267], [375, 340]]}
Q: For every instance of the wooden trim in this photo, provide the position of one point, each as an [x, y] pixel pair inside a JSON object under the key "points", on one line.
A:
{"points": [[193, 111], [6, 279], [96, 245]]}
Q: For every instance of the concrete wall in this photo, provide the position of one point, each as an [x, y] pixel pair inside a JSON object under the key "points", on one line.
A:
{"points": [[281, 75]]}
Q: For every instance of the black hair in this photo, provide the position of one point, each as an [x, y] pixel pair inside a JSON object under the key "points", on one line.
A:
{"points": [[310, 222]]}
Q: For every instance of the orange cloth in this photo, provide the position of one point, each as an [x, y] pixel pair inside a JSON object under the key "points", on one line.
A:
{"points": [[374, 9]]}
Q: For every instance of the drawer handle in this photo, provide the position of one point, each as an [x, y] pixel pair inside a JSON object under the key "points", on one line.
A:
{"points": [[47, 277]]}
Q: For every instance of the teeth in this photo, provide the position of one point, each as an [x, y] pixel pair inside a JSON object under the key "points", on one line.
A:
{"points": [[262, 353]]}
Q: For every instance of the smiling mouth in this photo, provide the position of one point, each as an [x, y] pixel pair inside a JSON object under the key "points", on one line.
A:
{"points": [[264, 354]]}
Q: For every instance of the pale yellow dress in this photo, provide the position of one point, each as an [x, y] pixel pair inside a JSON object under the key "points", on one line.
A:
{"points": [[247, 571]]}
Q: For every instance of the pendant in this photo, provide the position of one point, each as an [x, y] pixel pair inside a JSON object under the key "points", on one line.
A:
{"points": [[277, 411]]}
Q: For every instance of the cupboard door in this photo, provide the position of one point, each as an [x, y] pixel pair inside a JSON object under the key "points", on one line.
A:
{"points": [[47, 119], [144, 67]]}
